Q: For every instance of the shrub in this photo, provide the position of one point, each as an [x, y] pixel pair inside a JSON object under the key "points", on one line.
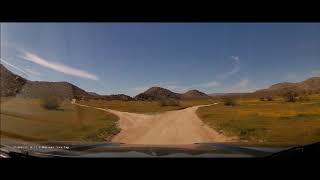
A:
{"points": [[304, 98], [50, 103], [169, 102], [228, 101], [290, 96], [269, 98], [262, 99]]}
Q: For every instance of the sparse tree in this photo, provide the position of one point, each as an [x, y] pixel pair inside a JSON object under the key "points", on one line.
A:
{"points": [[50, 103], [228, 101], [290, 96], [304, 97], [269, 98]]}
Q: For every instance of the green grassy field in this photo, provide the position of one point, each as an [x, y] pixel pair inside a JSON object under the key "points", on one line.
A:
{"points": [[24, 118], [149, 107], [267, 122]]}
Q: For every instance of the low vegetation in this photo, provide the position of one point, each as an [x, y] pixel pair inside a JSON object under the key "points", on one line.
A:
{"points": [[229, 101], [50, 103], [144, 106], [267, 98], [169, 102], [268, 122], [26, 119], [290, 96]]}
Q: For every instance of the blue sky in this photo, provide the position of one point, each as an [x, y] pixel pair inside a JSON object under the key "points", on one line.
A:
{"points": [[111, 58]]}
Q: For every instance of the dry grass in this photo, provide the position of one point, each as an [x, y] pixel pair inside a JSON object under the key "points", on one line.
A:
{"points": [[24, 118], [268, 122], [143, 106]]}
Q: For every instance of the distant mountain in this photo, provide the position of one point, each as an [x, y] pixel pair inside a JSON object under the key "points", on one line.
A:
{"points": [[194, 94], [38, 89], [217, 94], [94, 94], [14, 85], [156, 93], [122, 97], [11, 84], [310, 85]]}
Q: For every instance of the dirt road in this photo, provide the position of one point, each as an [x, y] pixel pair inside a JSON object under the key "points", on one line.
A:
{"points": [[172, 127]]}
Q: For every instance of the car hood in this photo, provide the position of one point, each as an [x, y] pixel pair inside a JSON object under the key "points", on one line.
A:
{"points": [[105, 149]]}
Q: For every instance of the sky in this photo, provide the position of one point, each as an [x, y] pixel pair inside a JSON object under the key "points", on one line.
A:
{"points": [[128, 58]]}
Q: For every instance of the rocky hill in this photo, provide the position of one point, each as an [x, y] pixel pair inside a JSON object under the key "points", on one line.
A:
{"points": [[11, 84], [38, 89], [14, 85], [194, 94], [310, 85], [156, 93], [122, 97]]}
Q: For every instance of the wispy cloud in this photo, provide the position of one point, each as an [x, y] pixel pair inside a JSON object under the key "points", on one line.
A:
{"points": [[58, 67], [292, 77], [235, 68], [32, 72], [210, 84], [14, 67], [315, 73], [235, 58], [244, 85]]}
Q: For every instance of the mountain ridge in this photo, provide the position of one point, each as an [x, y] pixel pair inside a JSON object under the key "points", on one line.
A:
{"points": [[157, 93], [15, 85]]}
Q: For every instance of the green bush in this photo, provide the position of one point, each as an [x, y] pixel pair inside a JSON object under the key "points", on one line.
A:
{"points": [[304, 98], [290, 96], [50, 103], [228, 101], [269, 98]]}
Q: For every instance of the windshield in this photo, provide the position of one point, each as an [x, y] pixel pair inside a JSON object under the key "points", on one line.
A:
{"points": [[182, 87]]}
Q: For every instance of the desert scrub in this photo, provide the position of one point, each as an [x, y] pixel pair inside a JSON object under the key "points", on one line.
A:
{"points": [[169, 102], [103, 134], [50, 103], [228, 101]]}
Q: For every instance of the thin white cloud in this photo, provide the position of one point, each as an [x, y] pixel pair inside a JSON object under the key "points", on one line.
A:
{"points": [[235, 68], [315, 73], [58, 67], [235, 57], [32, 72], [14, 67], [291, 77], [212, 84], [244, 85]]}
